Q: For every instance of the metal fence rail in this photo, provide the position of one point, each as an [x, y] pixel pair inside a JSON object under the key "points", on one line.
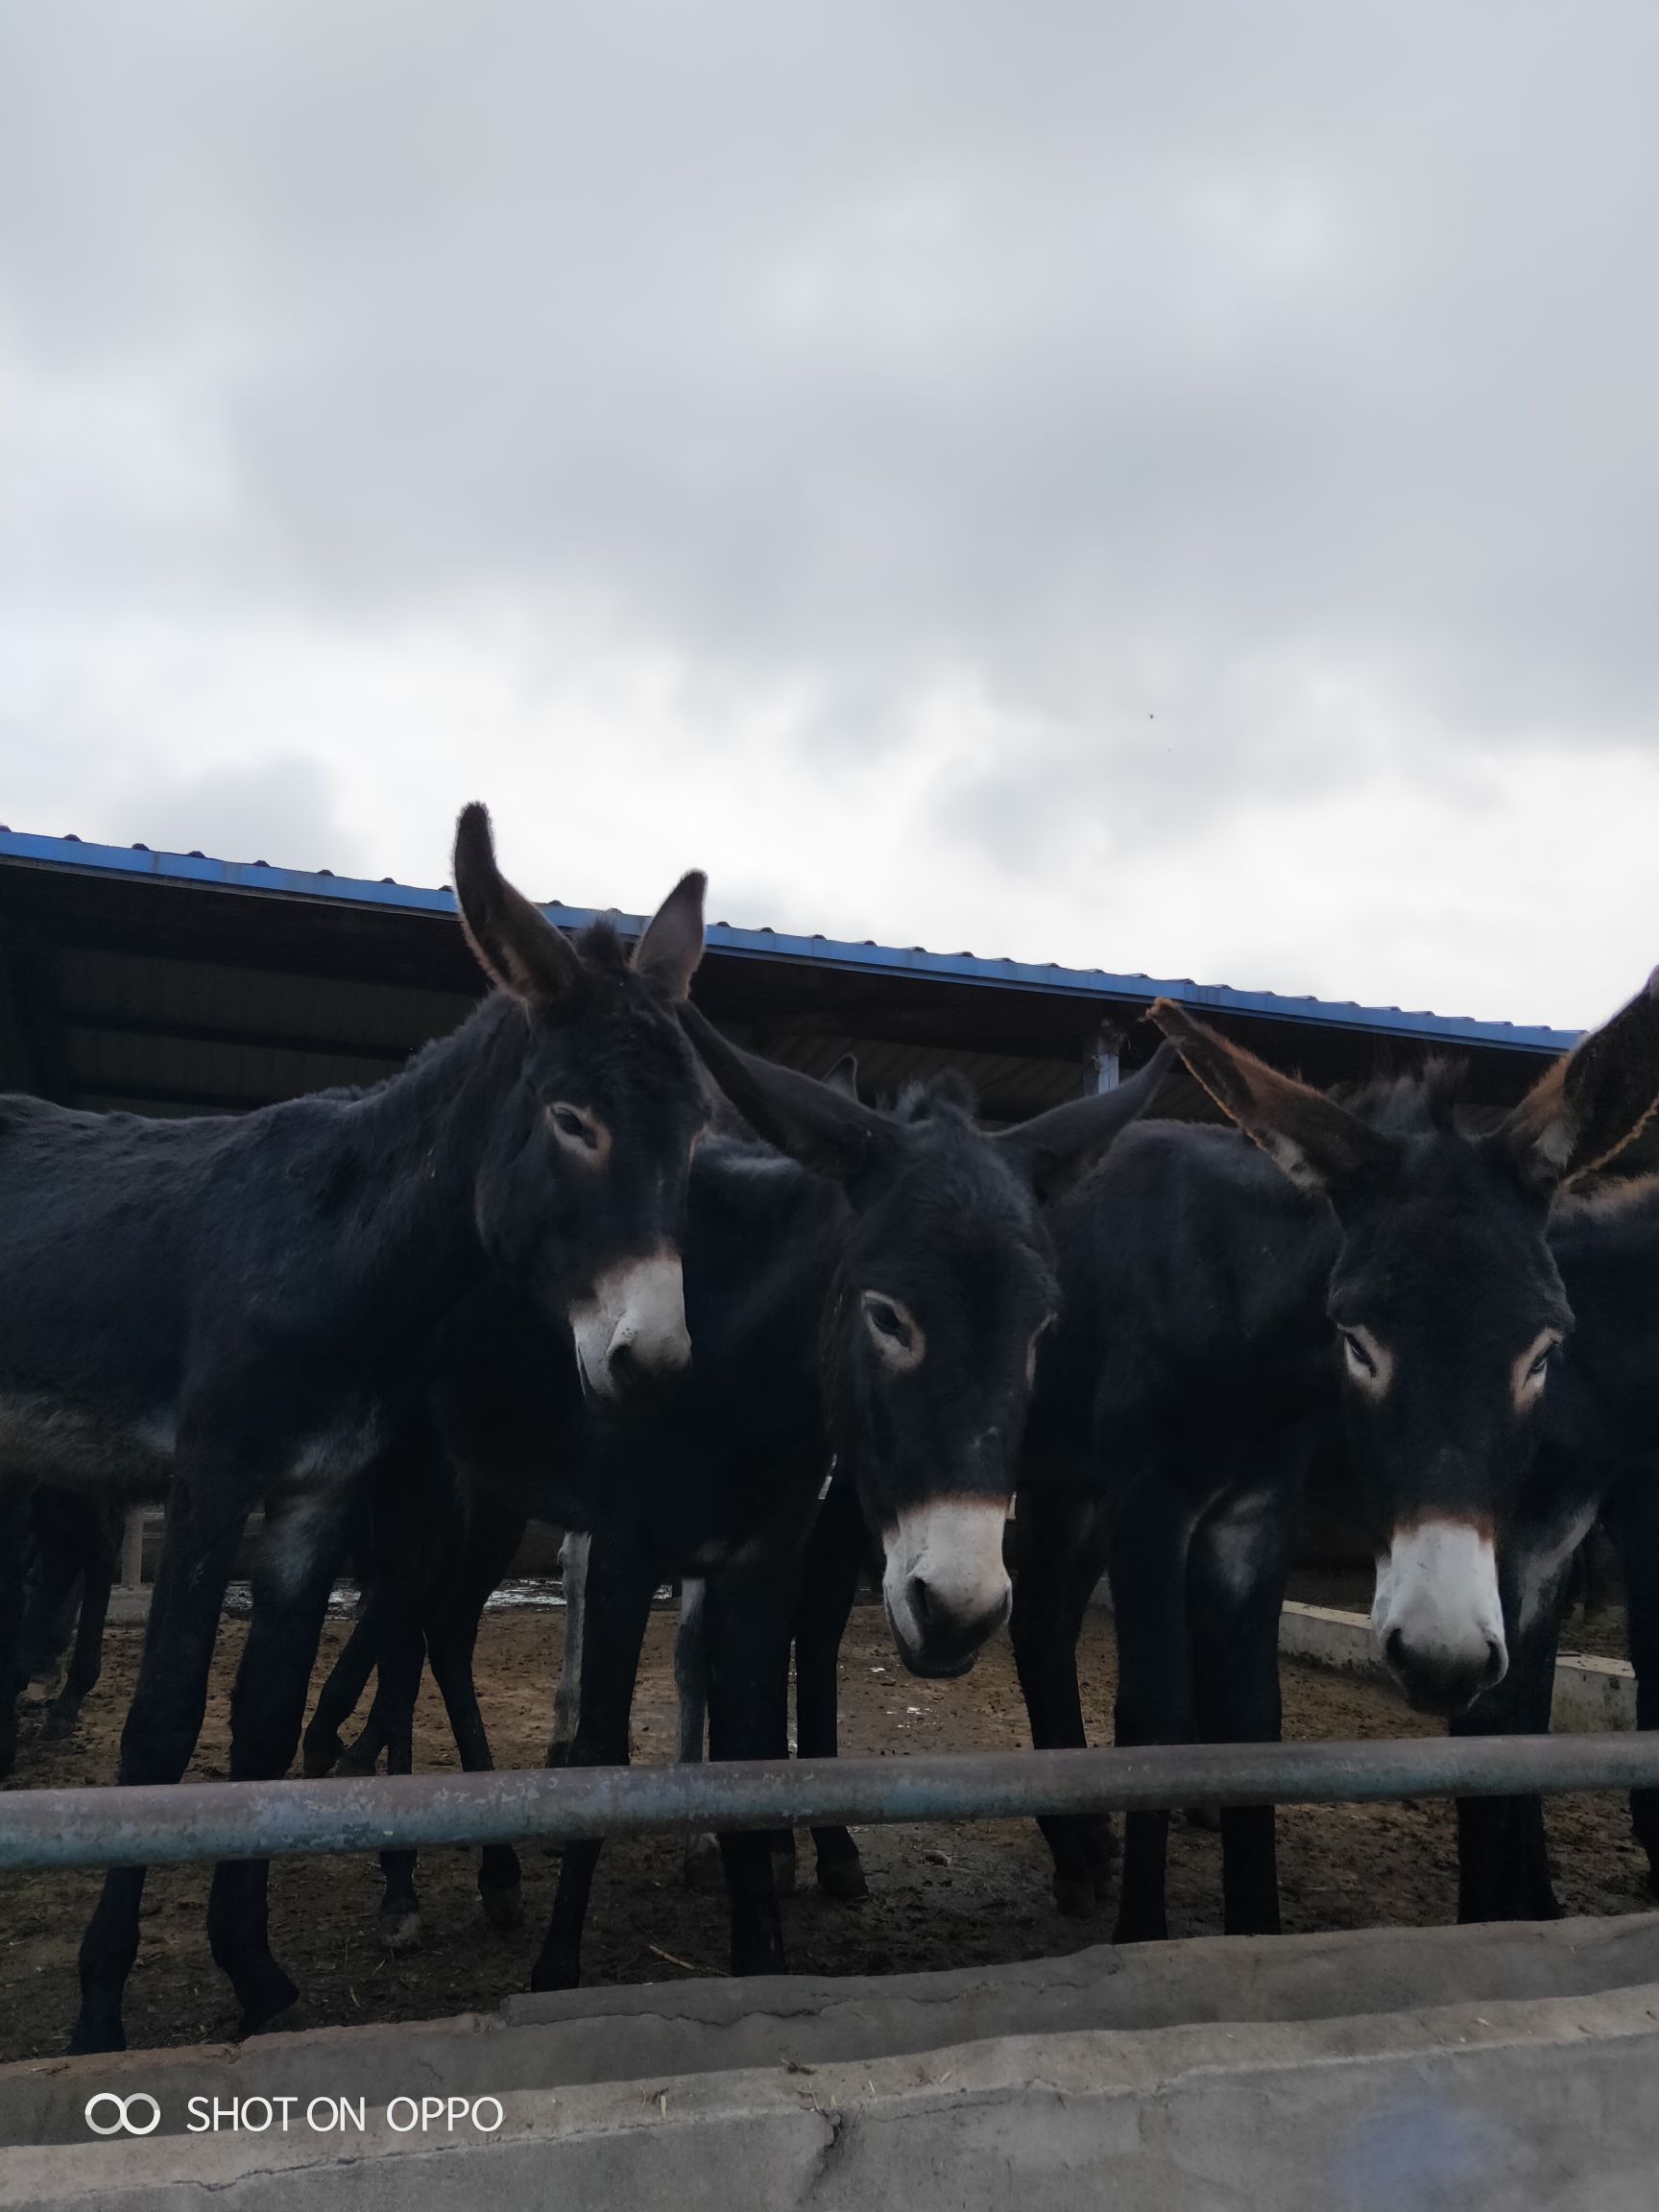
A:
{"points": [[147, 1825]]}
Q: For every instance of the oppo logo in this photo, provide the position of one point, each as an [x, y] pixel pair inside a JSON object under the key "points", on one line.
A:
{"points": [[108, 2114]]}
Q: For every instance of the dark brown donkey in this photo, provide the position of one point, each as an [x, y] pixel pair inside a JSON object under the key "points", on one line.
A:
{"points": [[240, 1306], [1367, 1274]]}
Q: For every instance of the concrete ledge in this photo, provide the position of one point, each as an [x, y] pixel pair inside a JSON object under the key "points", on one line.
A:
{"points": [[1493, 2101], [663, 2030], [1589, 1692]]}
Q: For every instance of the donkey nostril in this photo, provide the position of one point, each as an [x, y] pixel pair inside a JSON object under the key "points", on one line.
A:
{"points": [[921, 1601], [1394, 1647], [623, 1361], [1497, 1659]]}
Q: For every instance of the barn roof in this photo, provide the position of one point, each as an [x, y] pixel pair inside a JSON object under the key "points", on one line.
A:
{"points": [[174, 983]]}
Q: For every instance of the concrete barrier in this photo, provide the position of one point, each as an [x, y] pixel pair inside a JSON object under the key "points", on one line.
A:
{"points": [[1369, 2073]]}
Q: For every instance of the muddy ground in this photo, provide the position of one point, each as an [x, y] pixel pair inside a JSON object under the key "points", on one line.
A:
{"points": [[940, 1896]]}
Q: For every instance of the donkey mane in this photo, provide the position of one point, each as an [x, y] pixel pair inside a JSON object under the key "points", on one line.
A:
{"points": [[949, 1093], [1422, 1102]]}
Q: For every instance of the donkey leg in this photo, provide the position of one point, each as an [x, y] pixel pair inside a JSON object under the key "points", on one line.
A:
{"points": [[292, 1582], [700, 1863], [1502, 1856], [1239, 1566], [748, 1630], [402, 1662], [86, 1658], [321, 1746], [1150, 1534], [1059, 1553], [204, 1524], [1635, 1526], [621, 1579], [452, 1638], [366, 1749], [568, 1697], [14, 1500], [828, 1584]]}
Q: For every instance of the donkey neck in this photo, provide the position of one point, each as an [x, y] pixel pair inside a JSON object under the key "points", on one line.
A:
{"points": [[411, 1246]]}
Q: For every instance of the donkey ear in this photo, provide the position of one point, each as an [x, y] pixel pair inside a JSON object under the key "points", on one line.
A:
{"points": [[1592, 1101], [1055, 1150], [844, 1076], [816, 1123], [1318, 1144], [516, 947], [671, 947]]}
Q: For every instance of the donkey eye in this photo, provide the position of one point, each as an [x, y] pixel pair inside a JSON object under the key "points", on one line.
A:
{"points": [[895, 1332], [1540, 1366], [570, 1125], [1359, 1358]]}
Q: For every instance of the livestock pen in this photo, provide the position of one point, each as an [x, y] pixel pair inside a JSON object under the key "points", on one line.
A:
{"points": [[101, 1014]]}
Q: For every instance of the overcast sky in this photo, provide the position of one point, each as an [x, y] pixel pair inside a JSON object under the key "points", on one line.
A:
{"points": [[1170, 488]]}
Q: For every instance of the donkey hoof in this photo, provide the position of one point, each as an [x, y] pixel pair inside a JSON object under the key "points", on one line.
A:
{"points": [[1204, 1817], [704, 1868], [292, 2019], [1075, 1895], [555, 1974], [321, 1757], [843, 1879], [503, 1905], [399, 1933], [59, 1722], [270, 2000]]}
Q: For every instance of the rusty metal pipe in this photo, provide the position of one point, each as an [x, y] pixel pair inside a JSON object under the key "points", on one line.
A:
{"points": [[151, 1824]]}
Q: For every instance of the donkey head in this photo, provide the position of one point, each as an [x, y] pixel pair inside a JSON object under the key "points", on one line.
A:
{"points": [[1447, 1310], [945, 1282], [582, 1190]]}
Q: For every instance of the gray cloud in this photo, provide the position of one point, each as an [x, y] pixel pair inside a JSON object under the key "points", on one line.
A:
{"points": [[1219, 396]]}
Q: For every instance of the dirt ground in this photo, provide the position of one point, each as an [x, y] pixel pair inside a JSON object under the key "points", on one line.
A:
{"points": [[940, 1895]]}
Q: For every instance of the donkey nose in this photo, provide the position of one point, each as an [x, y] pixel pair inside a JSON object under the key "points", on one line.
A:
{"points": [[952, 1617], [1445, 1682]]}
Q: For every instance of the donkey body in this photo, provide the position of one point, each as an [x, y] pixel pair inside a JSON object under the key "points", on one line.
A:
{"points": [[232, 1310]]}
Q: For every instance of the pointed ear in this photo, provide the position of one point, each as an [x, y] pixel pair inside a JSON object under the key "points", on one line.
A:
{"points": [[814, 1122], [844, 1076], [671, 947], [1317, 1144], [1590, 1102], [517, 948], [1055, 1150]]}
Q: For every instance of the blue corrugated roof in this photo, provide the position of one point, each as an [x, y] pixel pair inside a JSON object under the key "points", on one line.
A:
{"points": [[868, 958]]}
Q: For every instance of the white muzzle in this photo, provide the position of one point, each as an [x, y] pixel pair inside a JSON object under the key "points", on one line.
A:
{"points": [[1437, 1618], [632, 1326], [946, 1588]]}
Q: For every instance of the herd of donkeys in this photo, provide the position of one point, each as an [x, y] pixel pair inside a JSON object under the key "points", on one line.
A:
{"points": [[588, 1261]]}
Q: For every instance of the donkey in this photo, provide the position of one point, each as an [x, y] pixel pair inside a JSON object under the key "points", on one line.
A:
{"points": [[1599, 1457], [879, 1333], [237, 1307], [864, 1290], [1373, 1278]]}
